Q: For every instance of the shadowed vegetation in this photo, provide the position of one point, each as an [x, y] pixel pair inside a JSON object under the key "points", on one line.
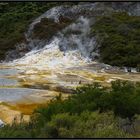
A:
{"points": [[118, 35], [94, 111]]}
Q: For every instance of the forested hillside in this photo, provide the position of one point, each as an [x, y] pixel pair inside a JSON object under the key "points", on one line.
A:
{"points": [[15, 18]]}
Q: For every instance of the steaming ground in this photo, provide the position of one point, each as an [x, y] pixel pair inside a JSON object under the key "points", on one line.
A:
{"points": [[51, 58], [55, 70]]}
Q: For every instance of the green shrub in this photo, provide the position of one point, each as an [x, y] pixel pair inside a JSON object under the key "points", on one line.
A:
{"points": [[123, 99], [120, 35], [94, 111], [86, 125]]}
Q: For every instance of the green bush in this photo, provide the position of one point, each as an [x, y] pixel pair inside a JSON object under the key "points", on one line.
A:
{"points": [[120, 35], [86, 125], [123, 99], [94, 111]]}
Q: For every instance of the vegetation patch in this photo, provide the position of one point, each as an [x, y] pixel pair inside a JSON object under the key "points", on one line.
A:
{"points": [[119, 38], [94, 111]]}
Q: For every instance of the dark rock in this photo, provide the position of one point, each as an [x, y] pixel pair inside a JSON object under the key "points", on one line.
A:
{"points": [[47, 28]]}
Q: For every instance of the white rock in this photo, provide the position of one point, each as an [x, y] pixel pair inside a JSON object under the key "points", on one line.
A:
{"points": [[1, 123]]}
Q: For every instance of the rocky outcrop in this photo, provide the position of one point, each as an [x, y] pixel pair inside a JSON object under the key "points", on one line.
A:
{"points": [[47, 28]]}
